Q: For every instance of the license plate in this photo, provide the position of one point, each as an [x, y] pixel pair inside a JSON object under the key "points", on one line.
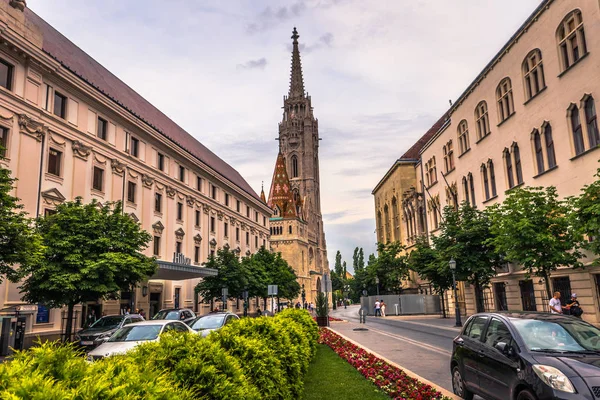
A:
{"points": [[87, 343]]}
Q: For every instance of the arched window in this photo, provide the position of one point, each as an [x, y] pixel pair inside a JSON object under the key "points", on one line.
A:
{"points": [[571, 39], [379, 227], [490, 165], [517, 157], [277, 211], [509, 168], [576, 129], [294, 167], [396, 216], [386, 217], [504, 97], [486, 182], [483, 120], [465, 184], [533, 74], [472, 186], [448, 156], [592, 122], [463, 136], [290, 229], [537, 147], [549, 145]]}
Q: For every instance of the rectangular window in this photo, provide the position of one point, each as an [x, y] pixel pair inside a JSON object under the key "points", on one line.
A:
{"points": [[214, 192], [178, 247], [131, 192], [247, 212], [196, 254], [48, 212], [135, 147], [157, 245], [199, 183], [237, 234], [182, 173], [255, 216], [226, 229], [212, 253], [54, 160], [227, 199], [102, 128], [157, 202], [264, 221], [6, 74], [247, 238], [562, 285], [212, 224], [161, 162], [98, 183], [238, 205], [264, 243], [197, 223], [180, 211], [3, 141], [256, 241], [60, 105]]}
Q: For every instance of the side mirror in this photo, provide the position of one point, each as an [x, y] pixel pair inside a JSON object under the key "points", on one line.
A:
{"points": [[505, 349]]}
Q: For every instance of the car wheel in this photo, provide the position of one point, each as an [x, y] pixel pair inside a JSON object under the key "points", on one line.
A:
{"points": [[458, 385], [526, 395]]}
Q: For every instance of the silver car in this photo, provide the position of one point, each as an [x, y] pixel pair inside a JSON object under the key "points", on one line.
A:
{"points": [[211, 322], [127, 337]]}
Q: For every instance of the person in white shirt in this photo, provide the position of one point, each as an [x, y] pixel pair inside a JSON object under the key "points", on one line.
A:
{"points": [[555, 306], [377, 308]]}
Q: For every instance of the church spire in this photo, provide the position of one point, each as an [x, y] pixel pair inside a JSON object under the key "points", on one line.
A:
{"points": [[280, 195], [262, 192], [296, 81]]}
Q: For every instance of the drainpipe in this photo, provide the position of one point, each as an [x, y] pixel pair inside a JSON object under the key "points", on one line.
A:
{"points": [[39, 195], [125, 174]]}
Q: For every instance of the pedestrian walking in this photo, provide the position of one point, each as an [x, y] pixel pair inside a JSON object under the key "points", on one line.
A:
{"points": [[377, 308], [555, 305], [142, 313], [382, 306]]}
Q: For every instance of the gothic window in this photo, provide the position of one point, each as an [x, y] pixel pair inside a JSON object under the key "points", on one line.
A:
{"points": [[591, 122], [472, 187], [486, 182], [576, 130], [448, 156], [379, 227], [431, 174], [537, 147], [549, 146], [294, 167], [386, 215], [483, 120], [533, 74], [435, 209], [571, 39], [504, 97], [396, 215], [465, 184], [509, 168], [490, 165], [277, 211], [451, 195], [463, 136], [517, 157]]}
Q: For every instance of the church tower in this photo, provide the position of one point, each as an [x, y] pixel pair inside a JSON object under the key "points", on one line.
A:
{"points": [[297, 224]]}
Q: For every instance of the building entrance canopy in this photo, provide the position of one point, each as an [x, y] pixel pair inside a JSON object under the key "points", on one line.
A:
{"points": [[173, 271]]}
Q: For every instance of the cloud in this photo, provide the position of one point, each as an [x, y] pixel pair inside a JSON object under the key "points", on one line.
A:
{"points": [[260, 63], [270, 17]]}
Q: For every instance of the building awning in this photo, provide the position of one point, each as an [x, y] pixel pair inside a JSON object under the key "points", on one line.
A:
{"points": [[177, 272]]}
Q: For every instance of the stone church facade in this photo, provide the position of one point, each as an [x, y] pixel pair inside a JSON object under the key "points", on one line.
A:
{"points": [[297, 223]]}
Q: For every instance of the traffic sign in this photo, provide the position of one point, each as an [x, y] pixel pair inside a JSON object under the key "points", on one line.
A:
{"points": [[272, 290]]}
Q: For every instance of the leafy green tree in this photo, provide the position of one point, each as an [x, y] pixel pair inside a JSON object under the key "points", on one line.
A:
{"points": [[586, 217], [533, 228], [465, 236], [230, 275], [90, 252], [355, 260], [361, 259], [337, 275], [19, 243], [389, 267]]}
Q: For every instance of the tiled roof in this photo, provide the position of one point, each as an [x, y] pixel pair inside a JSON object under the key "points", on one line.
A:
{"points": [[413, 152], [85, 67]]}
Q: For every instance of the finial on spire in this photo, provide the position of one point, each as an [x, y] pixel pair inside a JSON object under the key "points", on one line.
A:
{"points": [[295, 35], [296, 81], [262, 192]]}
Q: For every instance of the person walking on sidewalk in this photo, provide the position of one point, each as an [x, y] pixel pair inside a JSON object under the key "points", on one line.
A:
{"points": [[382, 307], [377, 308]]}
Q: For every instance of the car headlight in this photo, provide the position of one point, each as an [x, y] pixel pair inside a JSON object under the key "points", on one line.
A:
{"points": [[554, 378]]}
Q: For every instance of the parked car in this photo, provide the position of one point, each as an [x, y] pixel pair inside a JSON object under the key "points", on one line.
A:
{"points": [[175, 314], [132, 335], [102, 329], [526, 356], [211, 322]]}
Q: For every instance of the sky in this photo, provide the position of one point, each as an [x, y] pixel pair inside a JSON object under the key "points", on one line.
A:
{"points": [[380, 73]]}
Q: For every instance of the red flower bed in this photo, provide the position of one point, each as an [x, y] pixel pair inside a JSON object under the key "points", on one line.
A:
{"points": [[390, 379], [332, 319]]}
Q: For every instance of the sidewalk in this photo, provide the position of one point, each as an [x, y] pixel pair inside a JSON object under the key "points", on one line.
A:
{"points": [[427, 361], [426, 320]]}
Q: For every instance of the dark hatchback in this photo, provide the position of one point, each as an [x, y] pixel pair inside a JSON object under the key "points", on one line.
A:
{"points": [[526, 356], [102, 329]]}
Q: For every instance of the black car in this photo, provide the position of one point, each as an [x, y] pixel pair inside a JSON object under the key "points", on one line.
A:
{"points": [[211, 322], [178, 314], [526, 356], [102, 329]]}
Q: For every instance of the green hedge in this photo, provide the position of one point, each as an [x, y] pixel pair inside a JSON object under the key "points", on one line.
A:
{"points": [[260, 358]]}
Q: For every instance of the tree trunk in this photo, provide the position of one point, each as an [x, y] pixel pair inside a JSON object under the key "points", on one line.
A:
{"points": [[478, 303], [548, 290], [69, 325], [265, 303], [212, 304], [443, 304]]}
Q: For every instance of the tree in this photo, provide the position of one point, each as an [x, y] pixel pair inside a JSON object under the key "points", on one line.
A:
{"points": [[389, 267], [361, 259], [91, 251], [465, 236], [19, 242], [586, 217], [230, 275], [355, 260], [337, 275], [532, 227]]}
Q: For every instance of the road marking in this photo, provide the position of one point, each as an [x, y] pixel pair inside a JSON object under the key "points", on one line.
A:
{"points": [[411, 341]]}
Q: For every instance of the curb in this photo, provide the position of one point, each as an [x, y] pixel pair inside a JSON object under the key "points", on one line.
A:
{"points": [[408, 372]]}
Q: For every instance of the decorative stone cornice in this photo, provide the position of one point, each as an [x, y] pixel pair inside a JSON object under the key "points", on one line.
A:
{"points": [[190, 201], [206, 209], [253, 230], [53, 196], [213, 243], [171, 191], [32, 128], [117, 166], [248, 252], [238, 250], [147, 180], [220, 215], [158, 227], [198, 239], [233, 221], [244, 226], [134, 217], [179, 234], [81, 150]]}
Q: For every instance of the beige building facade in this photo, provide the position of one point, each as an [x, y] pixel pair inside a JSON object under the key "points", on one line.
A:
{"points": [[71, 128], [528, 119]]}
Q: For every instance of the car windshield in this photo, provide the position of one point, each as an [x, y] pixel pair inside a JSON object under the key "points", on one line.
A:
{"points": [[166, 314], [564, 335], [107, 322], [133, 333], [208, 322]]}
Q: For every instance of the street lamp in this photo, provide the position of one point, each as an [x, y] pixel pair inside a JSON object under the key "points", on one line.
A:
{"points": [[452, 264], [303, 297], [377, 283]]}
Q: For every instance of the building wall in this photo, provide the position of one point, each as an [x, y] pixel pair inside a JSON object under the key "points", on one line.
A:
{"points": [[26, 111], [550, 106]]}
